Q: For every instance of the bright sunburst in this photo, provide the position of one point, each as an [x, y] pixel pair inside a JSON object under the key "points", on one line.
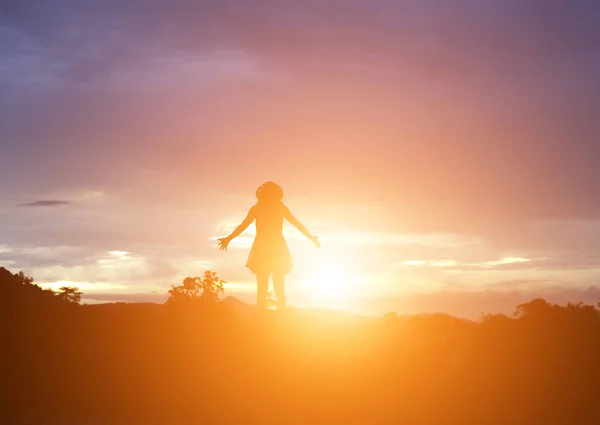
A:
{"points": [[332, 279]]}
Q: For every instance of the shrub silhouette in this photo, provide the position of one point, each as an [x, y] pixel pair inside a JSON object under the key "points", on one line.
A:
{"points": [[207, 289]]}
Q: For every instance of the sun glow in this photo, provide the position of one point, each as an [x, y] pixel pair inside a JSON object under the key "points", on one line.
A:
{"points": [[332, 279]]}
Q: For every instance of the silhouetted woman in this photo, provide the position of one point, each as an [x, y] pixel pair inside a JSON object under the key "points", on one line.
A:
{"points": [[269, 254]]}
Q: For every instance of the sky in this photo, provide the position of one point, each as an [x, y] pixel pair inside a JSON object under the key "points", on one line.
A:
{"points": [[445, 152]]}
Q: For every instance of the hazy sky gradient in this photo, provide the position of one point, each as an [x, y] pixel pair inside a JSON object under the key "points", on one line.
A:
{"points": [[437, 147]]}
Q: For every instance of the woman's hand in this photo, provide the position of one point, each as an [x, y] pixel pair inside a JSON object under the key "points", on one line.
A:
{"points": [[315, 240], [223, 242]]}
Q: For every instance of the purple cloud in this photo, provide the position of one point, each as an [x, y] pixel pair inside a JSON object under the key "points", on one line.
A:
{"points": [[46, 203]]}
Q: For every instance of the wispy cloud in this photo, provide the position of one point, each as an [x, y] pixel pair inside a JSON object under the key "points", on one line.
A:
{"points": [[46, 203]]}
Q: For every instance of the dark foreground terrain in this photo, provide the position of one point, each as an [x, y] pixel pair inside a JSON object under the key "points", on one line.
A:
{"points": [[206, 364]]}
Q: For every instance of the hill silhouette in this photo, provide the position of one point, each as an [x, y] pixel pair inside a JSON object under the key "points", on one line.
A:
{"points": [[223, 363]]}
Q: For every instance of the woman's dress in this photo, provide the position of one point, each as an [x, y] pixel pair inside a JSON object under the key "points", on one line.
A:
{"points": [[269, 252]]}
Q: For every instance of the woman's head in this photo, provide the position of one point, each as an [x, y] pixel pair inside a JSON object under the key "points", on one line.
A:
{"points": [[269, 191]]}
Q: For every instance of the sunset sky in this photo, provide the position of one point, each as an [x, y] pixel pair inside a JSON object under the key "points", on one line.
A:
{"points": [[447, 153]]}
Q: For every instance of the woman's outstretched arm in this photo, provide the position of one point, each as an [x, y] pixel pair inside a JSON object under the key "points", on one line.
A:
{"points": [[223, 242], [290, 217]]}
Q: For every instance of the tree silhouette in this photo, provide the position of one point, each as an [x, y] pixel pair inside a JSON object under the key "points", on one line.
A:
{"points": [[70, 294], [21, 288], [23, 279], [537, 307], [209, 288]]}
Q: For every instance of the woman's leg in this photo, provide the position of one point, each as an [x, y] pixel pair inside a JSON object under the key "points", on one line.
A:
{"points": [[278, 283], [262, 280]]}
